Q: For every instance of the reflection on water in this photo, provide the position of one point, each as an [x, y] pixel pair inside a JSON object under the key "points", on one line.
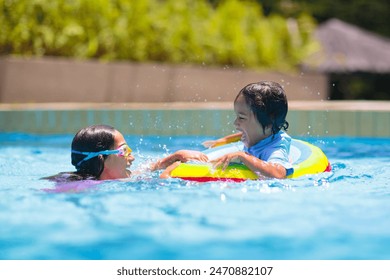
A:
{"points": [[337, 215]]}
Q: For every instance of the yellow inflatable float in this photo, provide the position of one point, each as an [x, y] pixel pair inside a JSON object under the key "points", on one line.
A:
{"points": [[305, 158]]}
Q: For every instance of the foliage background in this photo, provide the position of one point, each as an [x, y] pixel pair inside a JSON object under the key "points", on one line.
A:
{"points": [[231, 32], [271, 34], [372, 15]]}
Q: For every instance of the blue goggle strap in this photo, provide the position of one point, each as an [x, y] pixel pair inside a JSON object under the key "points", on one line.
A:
{"points": [[90, 155]]}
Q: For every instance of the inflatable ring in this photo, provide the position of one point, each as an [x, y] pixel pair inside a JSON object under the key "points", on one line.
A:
{"points": [[305, 158]]}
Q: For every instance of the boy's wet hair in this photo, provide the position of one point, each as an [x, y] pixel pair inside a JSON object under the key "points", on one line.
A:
{"points": [[268, 102], [93, 138]]}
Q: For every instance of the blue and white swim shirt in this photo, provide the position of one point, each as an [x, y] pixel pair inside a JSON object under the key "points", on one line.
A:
{"points": [[274, 149]]}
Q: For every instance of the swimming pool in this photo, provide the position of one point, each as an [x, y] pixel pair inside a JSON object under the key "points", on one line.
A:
{"points": [[339, 215]]}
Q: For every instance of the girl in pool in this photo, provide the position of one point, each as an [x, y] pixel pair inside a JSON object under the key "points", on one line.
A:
{"points": [[100, 152], [261, 110]]}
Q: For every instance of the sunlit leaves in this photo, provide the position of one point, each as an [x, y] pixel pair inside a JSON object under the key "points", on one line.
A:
{"points": [[188, 31]]}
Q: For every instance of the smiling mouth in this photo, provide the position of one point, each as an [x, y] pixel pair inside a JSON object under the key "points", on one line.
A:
{"points": [[128, 172], [243, 136]]}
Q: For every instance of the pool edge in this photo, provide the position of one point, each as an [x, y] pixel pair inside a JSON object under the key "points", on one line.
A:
{"points": [[306, 118]]}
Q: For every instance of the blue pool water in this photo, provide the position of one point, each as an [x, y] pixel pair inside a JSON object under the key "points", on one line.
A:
{"points": [[343, 214]]}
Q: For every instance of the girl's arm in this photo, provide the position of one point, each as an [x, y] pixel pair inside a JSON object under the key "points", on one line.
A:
{"points": [[167, 172], [258, 166], [179, 156], [222, 141]]}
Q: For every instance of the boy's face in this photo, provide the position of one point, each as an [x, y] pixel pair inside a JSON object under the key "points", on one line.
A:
{"points": [[247, 123]]}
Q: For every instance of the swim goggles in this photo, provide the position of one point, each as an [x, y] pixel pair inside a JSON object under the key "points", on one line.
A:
{"points": [[123, 151]]}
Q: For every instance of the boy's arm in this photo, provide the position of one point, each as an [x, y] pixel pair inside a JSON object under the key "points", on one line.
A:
{"points": [[258, 166]]}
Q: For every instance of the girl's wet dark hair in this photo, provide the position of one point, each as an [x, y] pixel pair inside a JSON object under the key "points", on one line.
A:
{"points": [[268, 102], [93, 138]]}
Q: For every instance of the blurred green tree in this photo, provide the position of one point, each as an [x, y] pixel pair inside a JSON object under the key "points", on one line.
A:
{"points": [[373, 15], [229, 33]]}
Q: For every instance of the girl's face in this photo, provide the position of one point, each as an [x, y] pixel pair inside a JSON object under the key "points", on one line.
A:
{"points": [[115, 166], [247, 123]]}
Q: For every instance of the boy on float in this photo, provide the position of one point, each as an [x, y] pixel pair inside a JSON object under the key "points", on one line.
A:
{"points": [[261, 110]]}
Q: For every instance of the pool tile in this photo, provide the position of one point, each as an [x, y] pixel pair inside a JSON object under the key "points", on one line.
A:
{"points": [[192, 121]]}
